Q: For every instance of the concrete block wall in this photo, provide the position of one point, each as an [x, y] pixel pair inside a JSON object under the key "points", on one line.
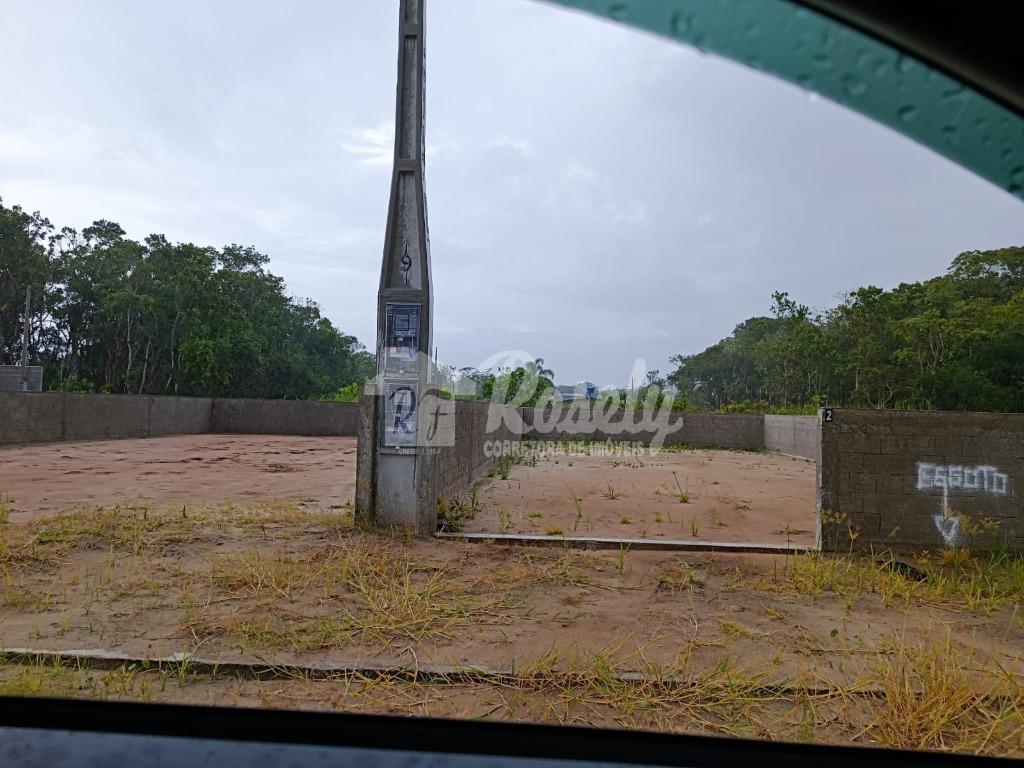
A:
{"points": [[284, 417], [793, 435], [911, 481], [726, 430], [47, 417], [32, 417], [105, 417], [461, 465], [179, 416], [11, 378]]}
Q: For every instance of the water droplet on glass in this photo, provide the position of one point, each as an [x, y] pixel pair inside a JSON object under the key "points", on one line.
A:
{"points": [[618, 10], [682, 23], [854, 86], [907, 113]]}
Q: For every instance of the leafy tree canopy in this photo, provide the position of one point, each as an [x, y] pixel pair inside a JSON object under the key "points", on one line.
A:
{"points": [[955, 342], [110, 314]]}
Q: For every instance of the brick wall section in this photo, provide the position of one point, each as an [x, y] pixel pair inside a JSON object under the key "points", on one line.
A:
{"points": [[10, 378], [33, 417], [285, 417], [460, 466], [105, 417], [793, 435], [728, 430], [47, 417], [179, 416], [725, 430], [912, 481]]}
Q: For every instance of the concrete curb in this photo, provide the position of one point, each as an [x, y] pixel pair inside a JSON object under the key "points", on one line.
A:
{"points": [[633, 545], [101, 659]]}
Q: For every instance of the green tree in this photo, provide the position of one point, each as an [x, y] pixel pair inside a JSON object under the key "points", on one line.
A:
{"points": [[112, 314], [952, 342]]}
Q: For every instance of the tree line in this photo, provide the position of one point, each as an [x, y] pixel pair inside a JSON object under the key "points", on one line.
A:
{"points": [[954, 342], [111, 314]]}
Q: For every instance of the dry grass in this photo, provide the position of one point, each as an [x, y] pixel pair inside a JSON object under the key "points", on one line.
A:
{"points": [[6, 505], [303, 581], [363, 590], [984, 582], [137, 527], [679, 576], [611, 492], [537, 569], [934, 698], [916, 698]]}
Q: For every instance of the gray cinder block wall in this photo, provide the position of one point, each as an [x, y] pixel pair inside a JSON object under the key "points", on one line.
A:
{"points": [[284, 417], [464, 463], [793, 435], [33, 417], [910, 481], [47, 417], [725, 430], [12, 377]]}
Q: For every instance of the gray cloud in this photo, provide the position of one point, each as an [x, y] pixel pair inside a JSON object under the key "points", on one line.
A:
{"points": [[596, 194]]}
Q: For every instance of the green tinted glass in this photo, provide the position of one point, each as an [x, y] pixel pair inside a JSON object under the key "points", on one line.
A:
{"points": [[846, 66]]}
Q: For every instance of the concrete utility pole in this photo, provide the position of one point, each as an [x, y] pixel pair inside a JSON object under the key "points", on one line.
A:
{"points": [[397, 475], [24, 340]]}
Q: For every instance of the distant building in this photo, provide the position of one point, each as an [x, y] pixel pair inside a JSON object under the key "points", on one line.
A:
{"points": [[12, 378], [583, 391]]}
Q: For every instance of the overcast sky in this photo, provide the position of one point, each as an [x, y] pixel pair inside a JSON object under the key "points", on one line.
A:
{"points": [[596, 195]]}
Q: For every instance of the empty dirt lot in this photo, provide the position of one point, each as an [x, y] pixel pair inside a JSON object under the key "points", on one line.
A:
{"points": [[807, 647], [319, 472], [695, 495], [228, 570]]}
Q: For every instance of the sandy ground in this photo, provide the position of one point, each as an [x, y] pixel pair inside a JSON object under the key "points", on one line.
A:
{"points": [[302, 586], [727, 496], [192, 469], [243, 549], [274, 584]]}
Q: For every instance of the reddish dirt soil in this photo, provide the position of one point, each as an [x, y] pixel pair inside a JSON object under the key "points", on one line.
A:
{"points": [[268, 584], [731, 497], [253, 591], [320, 472]]}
